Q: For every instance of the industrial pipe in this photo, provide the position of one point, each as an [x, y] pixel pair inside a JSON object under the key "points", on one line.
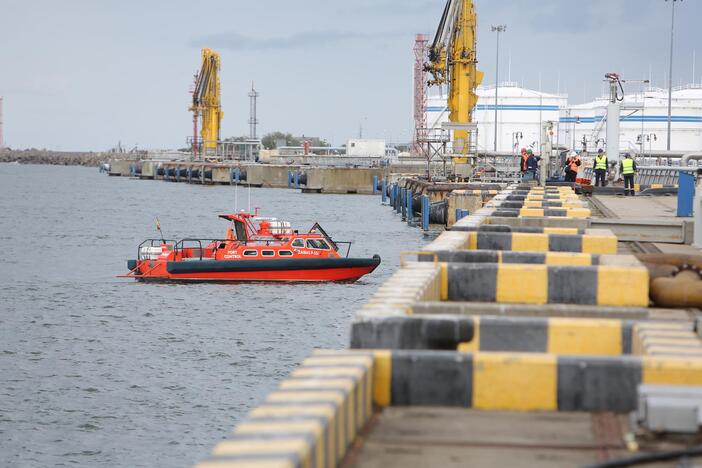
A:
{"points": [[683, 290], [687, 157]]}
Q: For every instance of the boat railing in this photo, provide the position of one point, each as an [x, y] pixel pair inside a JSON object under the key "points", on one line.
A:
{"points": [[180, 246], [151, 243], [348, 246]]}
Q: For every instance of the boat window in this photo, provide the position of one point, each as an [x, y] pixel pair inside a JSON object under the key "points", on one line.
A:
{"points": [[240, 230], [250, 253], [317, 244], [284, 253], [267, 253], [298, 243]]}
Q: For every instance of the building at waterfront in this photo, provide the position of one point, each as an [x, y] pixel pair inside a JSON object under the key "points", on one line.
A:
{"points": [[520, 111]]}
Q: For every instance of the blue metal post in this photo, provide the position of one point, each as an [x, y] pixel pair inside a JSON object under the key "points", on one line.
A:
{"points": [[375, 184], [410, 215], [190, 174], [392, 195], [402, 205], [297, 179], [425, 212], [383, 188], [290, 179], [237, 174], [686, 193]]}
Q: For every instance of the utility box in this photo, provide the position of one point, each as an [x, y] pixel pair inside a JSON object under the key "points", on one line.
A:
{"points": [[361, 147]]}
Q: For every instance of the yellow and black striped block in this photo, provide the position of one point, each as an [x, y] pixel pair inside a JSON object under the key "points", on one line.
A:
{"points": [[535, 242], [508, 256], [515, 381], [542, 212], [556, 335], [309, 421], [546, 284]]}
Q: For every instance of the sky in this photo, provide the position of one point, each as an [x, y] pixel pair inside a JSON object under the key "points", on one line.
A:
{"points": [[81, 75]]}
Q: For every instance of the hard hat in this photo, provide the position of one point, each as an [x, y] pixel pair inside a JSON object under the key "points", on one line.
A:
{"points": [[529, 151], [600, 150], [524, 150]]}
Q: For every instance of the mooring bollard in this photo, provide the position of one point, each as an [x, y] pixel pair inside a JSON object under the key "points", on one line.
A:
{"points": [[375, 184], [460, 214], [425, 212], [383, 189]]}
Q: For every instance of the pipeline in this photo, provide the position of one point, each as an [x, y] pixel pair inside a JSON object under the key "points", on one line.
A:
{"points": [[675, 279]]}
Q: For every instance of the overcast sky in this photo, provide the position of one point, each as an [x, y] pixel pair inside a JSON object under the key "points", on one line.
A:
{"points": [[84, 74]]}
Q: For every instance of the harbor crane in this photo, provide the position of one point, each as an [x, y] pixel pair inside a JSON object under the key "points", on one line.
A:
{"points": [[453, 62], [206, 106]]}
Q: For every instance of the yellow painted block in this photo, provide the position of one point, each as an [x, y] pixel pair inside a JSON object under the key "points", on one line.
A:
{"points": [[515, 381], [382, 377], [529, 242], [474, 344], [585, 336], [568, 258], [297, 445], [281, 411], [444, 282], [622, 286], [280, 462], [312, 427], [335, 360], [522, 283], [672, 371], [530, 212], [599, 244], [472, 240], [560, 230], [579, 213]]}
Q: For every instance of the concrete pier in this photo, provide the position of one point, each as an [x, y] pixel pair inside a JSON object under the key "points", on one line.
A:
{"points": [[518, 340]]}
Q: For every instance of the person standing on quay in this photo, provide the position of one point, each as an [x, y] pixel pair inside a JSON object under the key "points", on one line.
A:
{"points": [[601, 165], [627, 167], [572, 166]]}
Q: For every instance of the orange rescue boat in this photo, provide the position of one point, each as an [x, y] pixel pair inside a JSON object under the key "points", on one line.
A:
{"points": [[254, 249]]}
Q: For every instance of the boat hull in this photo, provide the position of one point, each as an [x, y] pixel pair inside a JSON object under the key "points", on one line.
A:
{"points": [[285, 270]]}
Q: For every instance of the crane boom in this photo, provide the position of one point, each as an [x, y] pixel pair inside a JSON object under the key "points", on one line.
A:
{"points": [[206, 105], [453, 61]]}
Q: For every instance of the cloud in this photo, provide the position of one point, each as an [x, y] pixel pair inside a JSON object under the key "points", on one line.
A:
{"points": [[236, 41]]}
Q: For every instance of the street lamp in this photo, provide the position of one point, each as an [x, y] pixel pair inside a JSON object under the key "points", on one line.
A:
{"points": [[516, 136], [499, 28], [670, 71]]}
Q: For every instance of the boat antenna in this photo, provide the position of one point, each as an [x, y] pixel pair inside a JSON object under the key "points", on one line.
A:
{"points": [[236, 198], [158, 228]]}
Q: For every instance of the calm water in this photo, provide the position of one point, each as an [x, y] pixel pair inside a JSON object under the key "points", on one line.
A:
{"points": [[101, 371]]}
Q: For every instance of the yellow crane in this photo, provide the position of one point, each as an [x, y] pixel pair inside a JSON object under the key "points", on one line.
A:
{"points": [[206, 106], [452, 61]]}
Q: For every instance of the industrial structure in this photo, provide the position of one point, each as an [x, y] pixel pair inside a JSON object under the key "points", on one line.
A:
{"points": [[206, 105], [452, 63]]}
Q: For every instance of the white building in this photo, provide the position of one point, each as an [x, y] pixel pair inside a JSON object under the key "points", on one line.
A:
{"points": [[643, 126], [520, 112]]}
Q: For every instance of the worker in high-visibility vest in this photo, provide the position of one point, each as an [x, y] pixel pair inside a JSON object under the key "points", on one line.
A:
{"points": [[601, 165], [572, 166], [627, 167], [522, 162]]}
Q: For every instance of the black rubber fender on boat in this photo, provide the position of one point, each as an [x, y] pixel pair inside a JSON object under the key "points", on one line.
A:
{"points": [[223, 266], [131, 264]]}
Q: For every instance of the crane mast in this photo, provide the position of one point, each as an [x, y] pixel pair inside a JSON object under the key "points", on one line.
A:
{"points": [[206, 105], [452, 61]]}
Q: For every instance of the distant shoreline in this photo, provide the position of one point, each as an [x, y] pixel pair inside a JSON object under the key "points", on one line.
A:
{"points": [[57, 158]]}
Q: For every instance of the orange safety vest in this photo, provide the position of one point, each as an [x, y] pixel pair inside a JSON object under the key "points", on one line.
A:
{"points": [[574, 164], [525, 156]]}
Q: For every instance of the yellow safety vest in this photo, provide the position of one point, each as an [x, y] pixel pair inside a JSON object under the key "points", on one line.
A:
{"points": [[601, 162], [627, 166]]}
